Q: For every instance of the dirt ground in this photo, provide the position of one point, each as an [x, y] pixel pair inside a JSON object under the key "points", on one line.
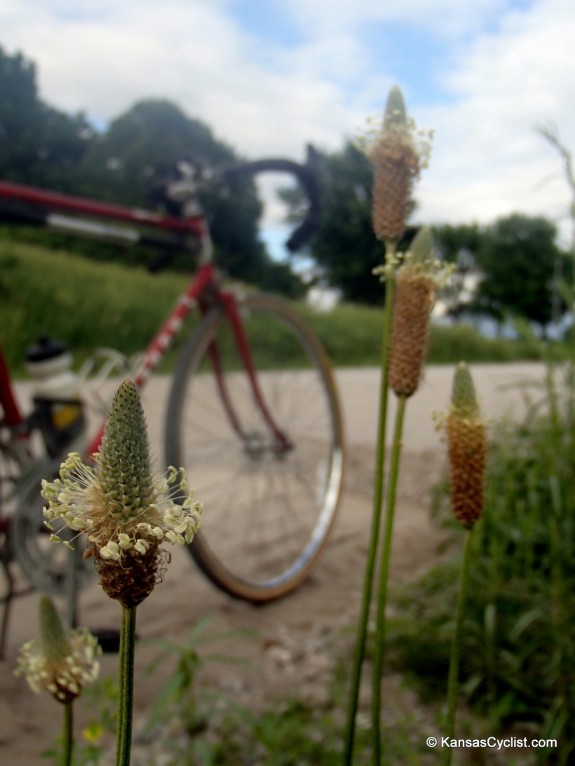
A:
{"points": [[294, 641]]}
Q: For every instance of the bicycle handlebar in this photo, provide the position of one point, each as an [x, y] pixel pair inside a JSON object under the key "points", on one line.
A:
{"points": [[307, 177], [38, 207]]}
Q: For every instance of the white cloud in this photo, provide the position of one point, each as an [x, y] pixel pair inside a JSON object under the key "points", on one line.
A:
{"points": [[504, 66], [445, 17], [488, 158], [190, 52]]}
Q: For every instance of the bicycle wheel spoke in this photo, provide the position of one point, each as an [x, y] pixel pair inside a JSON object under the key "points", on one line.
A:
{"points": [[268, 508], [45, 564]]}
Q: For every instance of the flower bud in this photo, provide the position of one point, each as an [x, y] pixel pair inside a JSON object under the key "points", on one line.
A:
{"points": [[416, 285], [61, 662], [396, 164], [467, 442], [124, 510]]}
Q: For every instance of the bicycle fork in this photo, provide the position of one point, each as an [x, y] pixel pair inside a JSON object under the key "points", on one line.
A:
{"points": [[233, 313]]}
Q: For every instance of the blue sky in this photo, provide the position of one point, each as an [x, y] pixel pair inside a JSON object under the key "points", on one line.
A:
{"points": [[268, 76]]}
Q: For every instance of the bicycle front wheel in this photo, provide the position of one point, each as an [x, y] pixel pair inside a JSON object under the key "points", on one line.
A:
{"points": [[268, 507]]}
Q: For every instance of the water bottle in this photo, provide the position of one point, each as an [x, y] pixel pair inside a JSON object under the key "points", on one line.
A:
{"points": [[58, 410]]}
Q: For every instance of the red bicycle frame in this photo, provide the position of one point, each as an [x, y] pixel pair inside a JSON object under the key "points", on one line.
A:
{"points": [[45, 208], [12, 416], [164, 337], [161, 342], [26, 201]]}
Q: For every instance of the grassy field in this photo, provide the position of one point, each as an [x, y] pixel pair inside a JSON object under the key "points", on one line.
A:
{"points": [[90, 304]]}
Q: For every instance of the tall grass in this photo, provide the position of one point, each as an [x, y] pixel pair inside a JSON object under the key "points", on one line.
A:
{"points": [[90, 304], [81, 302], [518, 643], [519, 637]]}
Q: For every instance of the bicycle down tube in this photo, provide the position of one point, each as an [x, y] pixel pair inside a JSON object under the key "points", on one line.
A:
{"points": [[163, 339]]}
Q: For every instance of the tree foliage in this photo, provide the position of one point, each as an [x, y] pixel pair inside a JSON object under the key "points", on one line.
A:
{"points": [[344, 247], [126, 163], [141, 147], [519, 259], [38, 144], [507, 268], [516, 262]]}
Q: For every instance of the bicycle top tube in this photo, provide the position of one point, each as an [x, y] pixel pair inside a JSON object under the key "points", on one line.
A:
{"points": [[49, 201]]}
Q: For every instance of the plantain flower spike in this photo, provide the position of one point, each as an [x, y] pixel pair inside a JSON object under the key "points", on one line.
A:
{"points": [[417, 280], [60, 662], [125, 511], [397, 161], [466, 443]]}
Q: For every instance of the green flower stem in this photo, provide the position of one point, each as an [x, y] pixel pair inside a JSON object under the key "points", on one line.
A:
{"points": [[375, 527], [560, 613], [384, 577], [126, 699], [453, 682], [68, 731]]}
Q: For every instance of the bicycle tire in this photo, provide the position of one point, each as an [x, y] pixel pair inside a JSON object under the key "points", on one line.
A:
{"points": [[12, 465], [47, 566], [267, 516]]}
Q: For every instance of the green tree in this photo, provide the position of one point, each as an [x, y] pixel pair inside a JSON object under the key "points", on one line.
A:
{"points": [[520, 262], [344, 246], [509, 268], [141, 147], [38, 144], [18, 114], [459, 244], [140, 150]]}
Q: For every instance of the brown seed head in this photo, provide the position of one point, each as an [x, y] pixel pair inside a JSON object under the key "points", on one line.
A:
{"points": [[415, 294], [396, 164], [416, 285], [132, 579], [466, 440]]}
